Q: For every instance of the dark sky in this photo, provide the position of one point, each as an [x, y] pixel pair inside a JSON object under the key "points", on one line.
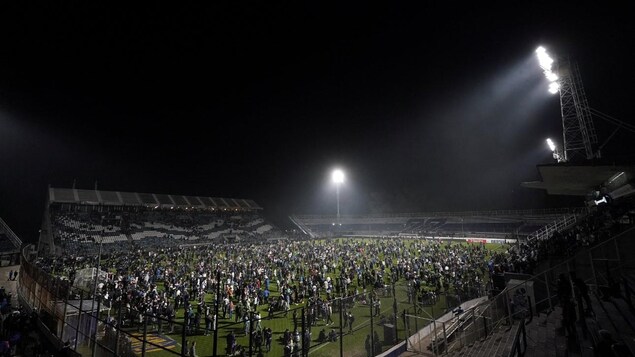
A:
{"points": [[425, 108]]}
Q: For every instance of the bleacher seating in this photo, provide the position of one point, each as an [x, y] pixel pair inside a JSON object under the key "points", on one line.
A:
{"points": [[80, 228], [492, 224]]}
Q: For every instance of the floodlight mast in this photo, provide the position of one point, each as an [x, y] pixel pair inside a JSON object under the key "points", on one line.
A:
{"points": [[338, 178], [578, 132]]}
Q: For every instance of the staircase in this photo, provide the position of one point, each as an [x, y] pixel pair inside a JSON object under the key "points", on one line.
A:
{"points": [[545, 337], [560, 225], [302, 227]]}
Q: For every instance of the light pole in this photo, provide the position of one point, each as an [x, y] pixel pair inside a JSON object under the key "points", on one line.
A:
{"points": [[338, 178]]}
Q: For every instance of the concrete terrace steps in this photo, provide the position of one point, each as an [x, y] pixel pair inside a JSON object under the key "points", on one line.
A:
{"points": [[497, 344], [615, 316], [544, 338], [602, 316], [621, 316], [626, 312]]}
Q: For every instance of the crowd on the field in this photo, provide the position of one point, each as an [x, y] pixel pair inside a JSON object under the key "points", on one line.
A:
{"points": [[158, 282], [276, 275]]}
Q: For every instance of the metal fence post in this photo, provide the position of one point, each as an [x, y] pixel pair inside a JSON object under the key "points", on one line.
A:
{"points": [[184, 350], [417, 320], [435, 346], [64, 316], [485, 324], [548, 291], [394, 312], [251, 333], [79, 318], [341, 327], [145, 335], [372, 336], [96, 318], [595, 278], [216, 304], [509, 307], [118, 329], [619, 259]]}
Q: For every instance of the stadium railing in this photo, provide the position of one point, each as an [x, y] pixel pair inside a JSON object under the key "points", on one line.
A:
{"points": [[546, 211]]}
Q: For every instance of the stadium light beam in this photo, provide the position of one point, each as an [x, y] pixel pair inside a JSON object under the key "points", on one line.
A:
{"points": [[552, 146], [338, 179]]}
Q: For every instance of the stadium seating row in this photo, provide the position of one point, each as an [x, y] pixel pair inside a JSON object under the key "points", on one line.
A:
{"points": [[81, 228]]}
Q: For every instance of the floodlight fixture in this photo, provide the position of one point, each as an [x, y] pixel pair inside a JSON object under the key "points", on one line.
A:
{"points": [[554, 87], [557, 154], [544, 59], [551, 77], [546, 63], [603, 200], [337, 176]]}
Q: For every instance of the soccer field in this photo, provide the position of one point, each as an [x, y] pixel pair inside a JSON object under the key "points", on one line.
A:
{"points": [[353, 341]]}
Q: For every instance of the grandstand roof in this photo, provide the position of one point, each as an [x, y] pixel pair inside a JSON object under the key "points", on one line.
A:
{"points": [[576, 180], [117, 198]]}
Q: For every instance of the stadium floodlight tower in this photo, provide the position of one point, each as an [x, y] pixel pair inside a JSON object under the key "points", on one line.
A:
{"points": [[578, 131], [337, 176]]}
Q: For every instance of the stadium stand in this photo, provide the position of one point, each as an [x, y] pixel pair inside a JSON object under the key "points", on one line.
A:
{"points": [[582, 279], [548, 245], [84, 220], [493, 224]]}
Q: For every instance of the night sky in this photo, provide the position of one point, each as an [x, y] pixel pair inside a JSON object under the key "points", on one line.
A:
{"points": [[425, 108]]}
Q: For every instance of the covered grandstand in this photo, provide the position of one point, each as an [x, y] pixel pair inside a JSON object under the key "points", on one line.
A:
{"points": [[85, 220], [498, 224]]}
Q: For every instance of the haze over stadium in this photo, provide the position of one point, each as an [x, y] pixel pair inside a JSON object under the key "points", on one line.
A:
{"points": [[442, 174], [427, 108]]}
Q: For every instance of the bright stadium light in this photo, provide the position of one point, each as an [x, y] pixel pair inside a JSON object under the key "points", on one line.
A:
{"points": [[544, 59], [557, 154], [551, 77], [546, 63], [554, 88], [603, 200], [338, 176]]}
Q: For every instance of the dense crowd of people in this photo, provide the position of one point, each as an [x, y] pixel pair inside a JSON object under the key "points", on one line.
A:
{"points": [[78, 229], [276, 275]]}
